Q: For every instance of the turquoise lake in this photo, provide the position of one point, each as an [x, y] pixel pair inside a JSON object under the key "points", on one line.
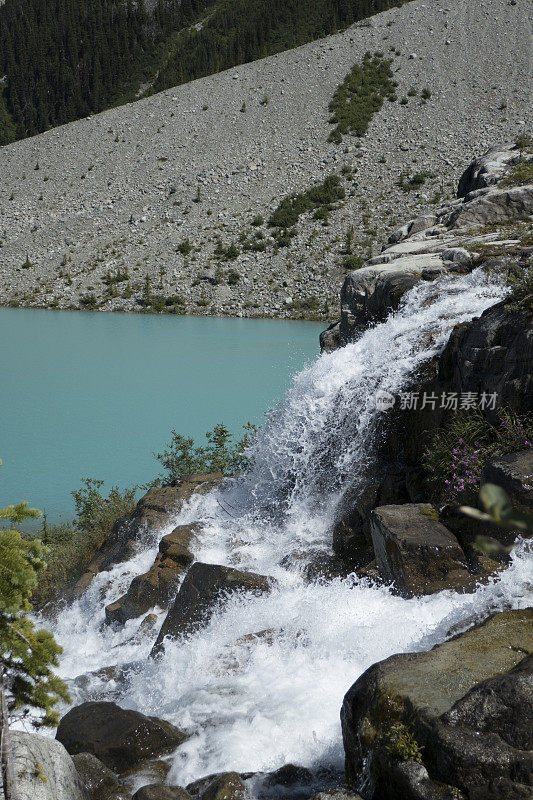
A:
{"points": [[95, 395]]}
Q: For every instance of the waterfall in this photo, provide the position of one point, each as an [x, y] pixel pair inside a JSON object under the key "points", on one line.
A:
{"points": [[256, 703]]}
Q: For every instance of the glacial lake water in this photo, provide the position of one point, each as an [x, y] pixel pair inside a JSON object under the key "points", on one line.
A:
{"points": [[95, 395]]}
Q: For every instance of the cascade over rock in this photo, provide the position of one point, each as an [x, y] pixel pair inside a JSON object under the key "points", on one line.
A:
{"points": [[153, 511], [458, 715], [435, 244], [203, 587], [157, 586]]}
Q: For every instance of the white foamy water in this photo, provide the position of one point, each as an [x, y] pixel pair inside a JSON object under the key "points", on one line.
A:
{"points": [[256, 703]]}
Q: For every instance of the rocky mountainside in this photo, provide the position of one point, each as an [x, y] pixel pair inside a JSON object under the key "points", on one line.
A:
{"points": [[163, 187]]}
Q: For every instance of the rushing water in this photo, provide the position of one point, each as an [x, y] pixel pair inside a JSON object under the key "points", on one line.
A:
{"points": [[257, 703], [93, 395]]}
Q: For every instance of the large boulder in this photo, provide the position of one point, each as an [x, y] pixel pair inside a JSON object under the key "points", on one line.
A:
{"points": [[204, 586], [43, 770], [119, 737], [160, 791], [455, 720], [101, 783], [158, 585], [415, 552], [154, 511], [221, 786]]}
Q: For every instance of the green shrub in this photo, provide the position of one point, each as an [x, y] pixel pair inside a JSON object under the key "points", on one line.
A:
{"points": [[353, 262], [520, 174], [521, 283], [183, 457], [456, 456], [409, 183], [291, 207], [258, 220], [426, 94], [88, 301], [402, 745], [360, 96], [233, 277], [184, 247]]}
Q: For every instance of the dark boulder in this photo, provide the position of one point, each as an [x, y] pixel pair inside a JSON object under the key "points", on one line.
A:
{"points": [[289, 775], [120, 738], [204, 586], [221, 786], [415, 552], [158, 585], [159, 791], [462, 712], [101, 783]]}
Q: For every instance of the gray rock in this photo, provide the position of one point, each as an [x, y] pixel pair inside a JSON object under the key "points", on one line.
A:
{"points": [[204, 586], [456, 711], [43, 770], [488, 169], [496, 206], [98, 779], [415, 552], [120, 738]]}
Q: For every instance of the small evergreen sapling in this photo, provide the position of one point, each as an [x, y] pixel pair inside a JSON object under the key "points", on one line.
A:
{"points": [[27, 655]]}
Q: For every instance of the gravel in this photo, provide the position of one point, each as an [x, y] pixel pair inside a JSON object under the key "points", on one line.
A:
{"points": [[118, 190]]}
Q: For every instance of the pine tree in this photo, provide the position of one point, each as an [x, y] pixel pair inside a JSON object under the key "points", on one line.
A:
{"points": [[27, 655]]}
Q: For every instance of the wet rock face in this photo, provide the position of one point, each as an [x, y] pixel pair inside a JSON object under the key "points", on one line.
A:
{"points": [[159, 791], [415, 552], [203, 587], [119, 738], [101, 783], [158, 585], [455, 720], [221, 786], [43, 769], [493, 354]]}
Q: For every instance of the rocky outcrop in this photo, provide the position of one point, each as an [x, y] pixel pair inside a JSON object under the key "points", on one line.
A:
{"points": [[488, 169], [451, 723], [158, 585], [415, 552], [434, 244], [43, 769], [101, 783], [118, 737], [204, 586], [153, 512]]}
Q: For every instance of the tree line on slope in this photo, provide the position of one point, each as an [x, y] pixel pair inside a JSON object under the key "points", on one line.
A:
{"points": [[61, 60]]}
